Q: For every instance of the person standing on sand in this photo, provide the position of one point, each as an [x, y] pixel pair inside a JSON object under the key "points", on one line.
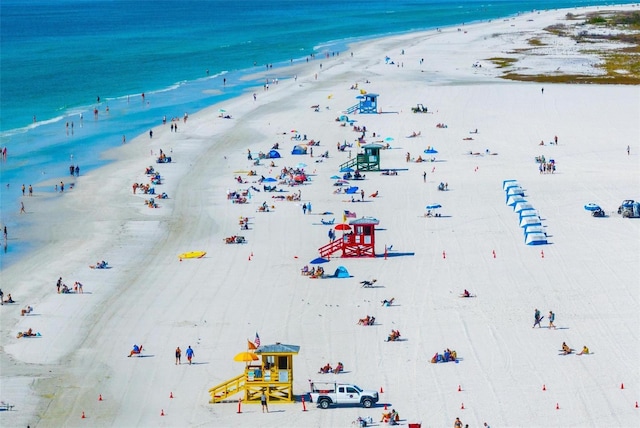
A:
{"points": [[537, 319], [178, 355], [424, 177], [189, 353], [23, 190], [628, 150], [30, 190], [263, 401], [552, 318], [59, 284]]}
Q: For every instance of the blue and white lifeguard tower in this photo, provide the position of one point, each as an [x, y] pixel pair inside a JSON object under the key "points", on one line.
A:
{"points": [[368, 104]]}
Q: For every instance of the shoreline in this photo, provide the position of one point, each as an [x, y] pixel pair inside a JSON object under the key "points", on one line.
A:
{"points": [[140, 243]]}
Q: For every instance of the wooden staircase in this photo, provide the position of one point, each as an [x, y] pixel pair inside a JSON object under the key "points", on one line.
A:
{"points": [[226, 389], [330, 248]]}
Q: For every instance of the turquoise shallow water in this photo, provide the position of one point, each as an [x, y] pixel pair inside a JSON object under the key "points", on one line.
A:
{"points": [[58, 56]]}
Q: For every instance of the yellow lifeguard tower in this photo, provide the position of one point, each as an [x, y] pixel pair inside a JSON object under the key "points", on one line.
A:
{"points": [[268, 369]]}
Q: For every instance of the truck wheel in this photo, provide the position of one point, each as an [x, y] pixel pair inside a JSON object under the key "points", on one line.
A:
{"points": [[366, 403], [324, 403]]}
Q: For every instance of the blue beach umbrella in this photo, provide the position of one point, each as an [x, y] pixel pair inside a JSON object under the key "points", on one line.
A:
{"points": [[269, 180], [433, 206], [335, 177], [301, 165], [388, 139], [346, 169], [318, 260], [431, 151], [592, 207]]}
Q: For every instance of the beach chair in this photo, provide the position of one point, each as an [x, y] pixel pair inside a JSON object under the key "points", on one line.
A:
{"points": [[6, 406]]}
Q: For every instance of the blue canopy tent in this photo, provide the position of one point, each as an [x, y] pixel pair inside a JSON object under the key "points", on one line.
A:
{"points": [[341, 272], [351, 190], [299, 150], [536, 239], [509, 183], [273, 154], [514, 199]]}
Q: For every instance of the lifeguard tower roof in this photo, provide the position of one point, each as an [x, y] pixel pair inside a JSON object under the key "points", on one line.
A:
{"points": [[373, 146], [278, 348], [364, 220]]}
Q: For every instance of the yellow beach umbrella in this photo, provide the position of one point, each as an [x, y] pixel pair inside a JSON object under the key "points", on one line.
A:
{"points": [[245, 357]]}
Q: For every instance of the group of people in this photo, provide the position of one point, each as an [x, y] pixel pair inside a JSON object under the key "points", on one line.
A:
{"points": [[100, 265], [77, 286], [368, 320], [566, 350], [28, 333], [9, 299], [393, 336], [446, 356], [188, 353], [391, 418], [537, 318], [328, 369], [313, 272]]}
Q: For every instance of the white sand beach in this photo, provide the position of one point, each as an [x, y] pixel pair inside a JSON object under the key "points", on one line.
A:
{"points": [[587, 274]]}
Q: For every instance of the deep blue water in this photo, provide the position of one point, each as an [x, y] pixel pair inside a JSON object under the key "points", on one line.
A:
{"points": [[58, 56]]}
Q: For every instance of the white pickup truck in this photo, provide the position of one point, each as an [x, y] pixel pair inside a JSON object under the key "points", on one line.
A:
{"points": [[326, 394]]}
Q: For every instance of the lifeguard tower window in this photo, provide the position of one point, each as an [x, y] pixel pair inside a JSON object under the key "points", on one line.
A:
{"points": [[363, 230], [282, 362]]}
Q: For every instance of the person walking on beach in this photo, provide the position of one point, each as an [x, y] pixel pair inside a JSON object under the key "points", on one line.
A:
{"points": [[5, 233], [59, 284], [424, 177], [304, 208], [263, 401], [178, 355], [537, 319], [189, 353], [552, 318], [628, 150], [22, 210], [61, 187]]}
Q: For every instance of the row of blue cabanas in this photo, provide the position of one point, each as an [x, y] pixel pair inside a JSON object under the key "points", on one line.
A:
{"points": [[528, 216]]}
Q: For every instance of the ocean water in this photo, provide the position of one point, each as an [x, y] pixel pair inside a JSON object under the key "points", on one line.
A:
{"points": [[58, 56]]}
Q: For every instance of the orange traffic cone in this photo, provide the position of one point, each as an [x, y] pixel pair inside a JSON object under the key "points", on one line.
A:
{"points": [[381, 390], [622, 386]]}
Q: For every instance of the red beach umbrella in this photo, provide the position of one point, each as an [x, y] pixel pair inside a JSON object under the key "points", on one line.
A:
{"points": [[343, 226]]}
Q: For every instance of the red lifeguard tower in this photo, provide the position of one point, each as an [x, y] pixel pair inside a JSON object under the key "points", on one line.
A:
{"points": [[359, 242]]}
